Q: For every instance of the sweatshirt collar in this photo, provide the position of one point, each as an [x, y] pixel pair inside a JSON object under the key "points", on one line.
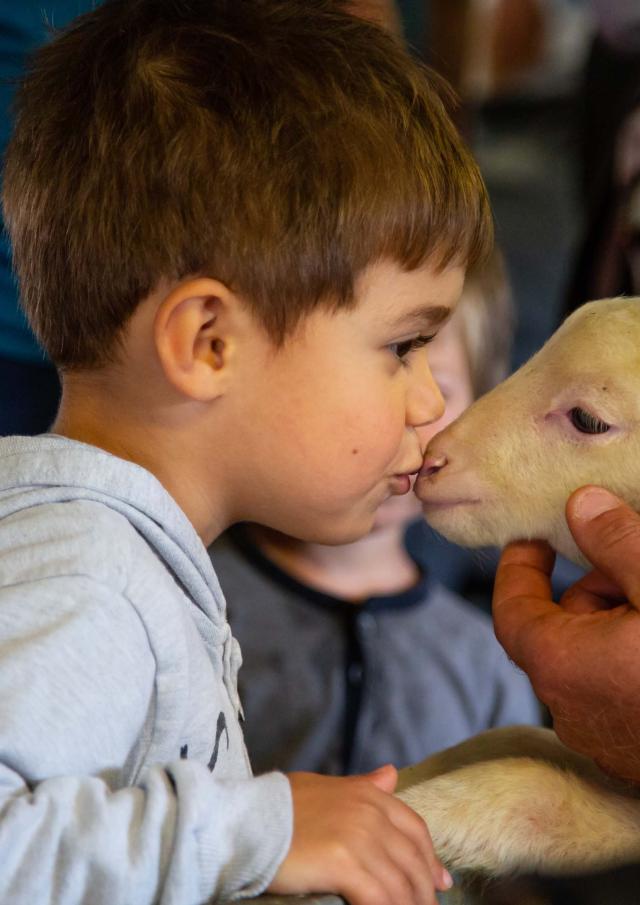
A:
{"points": [[50, 468]]}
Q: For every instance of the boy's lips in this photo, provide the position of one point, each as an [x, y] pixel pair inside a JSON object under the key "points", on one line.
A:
{"points": [[403, 482]]}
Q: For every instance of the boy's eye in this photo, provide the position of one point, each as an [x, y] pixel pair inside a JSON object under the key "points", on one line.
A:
{"points": [[401, 350]]}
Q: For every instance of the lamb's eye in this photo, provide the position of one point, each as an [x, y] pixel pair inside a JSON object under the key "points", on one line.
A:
{"points": [[587, 423]]}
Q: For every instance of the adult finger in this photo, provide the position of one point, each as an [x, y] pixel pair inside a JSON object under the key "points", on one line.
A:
{"points": [[592, 593], [608, 533], [522, 599]]}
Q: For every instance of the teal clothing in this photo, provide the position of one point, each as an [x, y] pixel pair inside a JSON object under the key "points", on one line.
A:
{"points": [[23, 27]]}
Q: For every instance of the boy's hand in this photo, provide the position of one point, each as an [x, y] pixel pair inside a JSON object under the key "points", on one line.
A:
{"points": [[353, 838]]}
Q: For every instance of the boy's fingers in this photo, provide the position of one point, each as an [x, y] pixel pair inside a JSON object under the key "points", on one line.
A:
{"points": [[402, 871], [394, 877], [358, 887], [608, 533], [416, 830], [384, 778]]}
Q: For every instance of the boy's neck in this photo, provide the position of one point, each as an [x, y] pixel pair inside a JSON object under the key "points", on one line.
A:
{"points": [[376, 565], [162, 446]]}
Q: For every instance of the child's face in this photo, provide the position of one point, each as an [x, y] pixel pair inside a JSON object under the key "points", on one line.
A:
{"points": [[333, 423], [449, 363]]}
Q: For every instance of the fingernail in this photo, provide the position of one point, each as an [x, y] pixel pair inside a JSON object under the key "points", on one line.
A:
{"points": [[594, 502], [447, 879]]}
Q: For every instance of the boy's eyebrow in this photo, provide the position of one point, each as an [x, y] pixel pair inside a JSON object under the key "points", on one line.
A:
{"points": [[434, 314]]}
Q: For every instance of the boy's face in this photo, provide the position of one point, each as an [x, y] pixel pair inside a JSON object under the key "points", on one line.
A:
{"points": [[449, 364], [333, 423]]}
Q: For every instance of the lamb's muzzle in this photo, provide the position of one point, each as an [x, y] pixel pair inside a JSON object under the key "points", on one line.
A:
{"points": [[570, 416]]}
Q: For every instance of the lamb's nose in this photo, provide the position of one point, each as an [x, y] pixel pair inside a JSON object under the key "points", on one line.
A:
{"points": [[432, 465]]}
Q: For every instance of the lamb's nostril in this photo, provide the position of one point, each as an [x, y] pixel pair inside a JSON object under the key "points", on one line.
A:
{"points": [[432, 465]]}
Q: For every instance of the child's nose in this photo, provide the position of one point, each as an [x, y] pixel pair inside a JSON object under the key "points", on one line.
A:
{"points": [[425, 403]]}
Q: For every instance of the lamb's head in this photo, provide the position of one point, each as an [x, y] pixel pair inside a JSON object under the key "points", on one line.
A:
{"points": [[570, 416]]}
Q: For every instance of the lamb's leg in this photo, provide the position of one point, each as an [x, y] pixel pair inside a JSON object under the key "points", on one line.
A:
{"points": [[508, 741], [517, 800]]}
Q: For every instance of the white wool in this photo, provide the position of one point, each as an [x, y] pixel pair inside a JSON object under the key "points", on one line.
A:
{"points": [[516, 799], [515, 451]]}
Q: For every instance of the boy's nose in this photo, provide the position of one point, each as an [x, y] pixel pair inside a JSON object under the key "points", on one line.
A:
{"points": [[425, 404]]}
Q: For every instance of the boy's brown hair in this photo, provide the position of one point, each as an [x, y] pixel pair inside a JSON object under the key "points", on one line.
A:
{"points": [[280, 146]]}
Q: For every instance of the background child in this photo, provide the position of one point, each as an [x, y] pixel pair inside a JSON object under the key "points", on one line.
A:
{"points": [[232, 224], [354, 657]]}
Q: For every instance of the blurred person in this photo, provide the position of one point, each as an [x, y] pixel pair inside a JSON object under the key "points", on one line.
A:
{"points": [[353, 655], [493, 50]]}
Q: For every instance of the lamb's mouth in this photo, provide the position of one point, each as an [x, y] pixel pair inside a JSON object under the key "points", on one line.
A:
{"points": [[441, 505]]}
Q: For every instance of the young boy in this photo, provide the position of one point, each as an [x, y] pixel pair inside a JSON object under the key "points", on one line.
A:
{"points": [[353, 657], [232, 223]]}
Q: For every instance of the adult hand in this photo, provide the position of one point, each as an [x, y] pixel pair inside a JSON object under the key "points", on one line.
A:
{"points": [[353, 838], [583, 656]]}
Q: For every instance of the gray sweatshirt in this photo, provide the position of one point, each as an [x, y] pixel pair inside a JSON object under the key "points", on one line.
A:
{"points": [[123, 772]]}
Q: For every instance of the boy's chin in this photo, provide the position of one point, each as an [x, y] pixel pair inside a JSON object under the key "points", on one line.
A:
{"points": [[334, 533], [397, 511]]}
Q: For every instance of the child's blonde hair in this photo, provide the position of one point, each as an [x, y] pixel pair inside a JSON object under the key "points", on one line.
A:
{"points": [[487, 322]]}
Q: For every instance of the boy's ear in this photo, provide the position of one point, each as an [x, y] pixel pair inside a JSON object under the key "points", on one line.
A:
{"points": [[194, 337]]}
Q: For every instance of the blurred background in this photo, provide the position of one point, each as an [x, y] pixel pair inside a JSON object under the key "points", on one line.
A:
{"points": [[547, 89], [549, 100]]}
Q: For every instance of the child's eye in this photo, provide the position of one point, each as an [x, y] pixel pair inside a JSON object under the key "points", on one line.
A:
{"points": [[401, 350]]}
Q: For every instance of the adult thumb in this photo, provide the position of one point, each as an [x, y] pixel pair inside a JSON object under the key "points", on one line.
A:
{"points": [[608, 533], [385, 778]]}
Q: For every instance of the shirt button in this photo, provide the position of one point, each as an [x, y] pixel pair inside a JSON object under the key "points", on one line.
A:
{"points": [[367, 622]]}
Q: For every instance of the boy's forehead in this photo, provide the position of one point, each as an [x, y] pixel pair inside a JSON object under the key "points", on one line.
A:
{"points": [[411, 298], [417, 316]]}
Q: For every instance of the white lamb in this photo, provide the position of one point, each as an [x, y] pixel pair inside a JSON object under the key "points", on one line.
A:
{"points": [[517, 799]]}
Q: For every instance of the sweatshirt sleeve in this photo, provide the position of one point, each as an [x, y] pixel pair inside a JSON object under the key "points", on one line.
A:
{"points": [[76, 687], [180, 838]]}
